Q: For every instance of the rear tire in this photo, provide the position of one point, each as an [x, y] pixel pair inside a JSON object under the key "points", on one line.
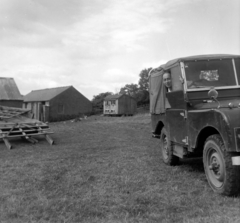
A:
{"points": [[167, 149], [222, 176]]}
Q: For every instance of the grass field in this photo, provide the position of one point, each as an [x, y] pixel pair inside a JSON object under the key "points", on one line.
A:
{"points": [[105, 169]]}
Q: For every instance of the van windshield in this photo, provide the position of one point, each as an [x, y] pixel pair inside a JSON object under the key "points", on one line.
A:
{"points": [[212, 73]]}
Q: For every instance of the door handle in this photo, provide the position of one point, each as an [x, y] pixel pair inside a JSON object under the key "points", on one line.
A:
{"points": [[184, 114]]}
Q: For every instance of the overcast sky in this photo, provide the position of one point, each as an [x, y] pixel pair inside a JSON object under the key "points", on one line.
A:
{"points": [[101, 45]]}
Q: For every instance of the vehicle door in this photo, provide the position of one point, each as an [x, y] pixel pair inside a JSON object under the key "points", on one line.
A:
{"points": [[176, 114]]}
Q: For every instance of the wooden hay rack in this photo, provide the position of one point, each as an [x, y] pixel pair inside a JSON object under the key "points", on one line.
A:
{"points": [[15, 123]]}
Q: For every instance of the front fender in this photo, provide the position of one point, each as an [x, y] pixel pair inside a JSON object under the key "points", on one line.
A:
{"points": [[233, 118], [207, 122]]}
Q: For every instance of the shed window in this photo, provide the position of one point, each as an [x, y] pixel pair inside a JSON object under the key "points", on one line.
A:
{"points": [[60, 109]]}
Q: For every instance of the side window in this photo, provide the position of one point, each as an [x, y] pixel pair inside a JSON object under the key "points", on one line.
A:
{"points": [[176, 76], [113, 102], [60, 109]]}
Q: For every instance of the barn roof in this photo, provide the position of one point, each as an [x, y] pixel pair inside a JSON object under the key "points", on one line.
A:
{"points": [[9, 89], [44, 94]]}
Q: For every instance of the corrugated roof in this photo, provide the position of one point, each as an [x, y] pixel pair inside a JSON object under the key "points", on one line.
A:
{"points": [[44, 94], [111, 97], [9, 89]]}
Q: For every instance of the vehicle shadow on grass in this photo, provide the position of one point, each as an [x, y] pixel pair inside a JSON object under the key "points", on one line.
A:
{"points": [[193, 167], [193, 164]]}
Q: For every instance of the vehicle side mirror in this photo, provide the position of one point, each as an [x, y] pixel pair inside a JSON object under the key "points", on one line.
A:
{"points": [[213, 94]]}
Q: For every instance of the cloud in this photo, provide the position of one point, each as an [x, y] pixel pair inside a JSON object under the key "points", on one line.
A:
{"points": [[120, 28], [116, 75], [93, 45], [153, 64], [39, 23], [94, 27], [112, 80]]}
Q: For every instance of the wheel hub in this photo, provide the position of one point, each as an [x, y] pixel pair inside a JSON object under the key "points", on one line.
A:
{"points": [[165, 148], [216, 167]]}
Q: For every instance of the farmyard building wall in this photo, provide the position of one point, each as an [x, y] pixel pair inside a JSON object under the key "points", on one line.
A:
{"points": [[69, 104], [12, 103]]}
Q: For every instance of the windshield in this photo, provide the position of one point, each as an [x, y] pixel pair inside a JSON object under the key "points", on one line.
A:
{"points": [[213, 73], [237, 65]]}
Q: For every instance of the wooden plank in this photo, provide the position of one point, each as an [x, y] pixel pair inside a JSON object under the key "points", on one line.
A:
{"points": [[26, 131], [35, 134], [2, 134], [27, 137], [7, 143], [30, 139], [8, 113], [33, 139], [49, 139], [8, 126], [11, 130], [5, 129], [19, 121]]}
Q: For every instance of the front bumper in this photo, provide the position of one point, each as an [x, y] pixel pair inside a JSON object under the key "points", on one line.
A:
{"points": [[236, 160]]}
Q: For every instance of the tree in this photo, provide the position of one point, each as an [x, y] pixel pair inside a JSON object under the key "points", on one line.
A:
{"points": [[143, 81], [97, 101], [130, 89], [138, 91], [144, 87]]}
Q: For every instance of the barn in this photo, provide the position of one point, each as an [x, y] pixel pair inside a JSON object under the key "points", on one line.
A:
{"points": [[9, 93], [120, 104], [56, 104]]}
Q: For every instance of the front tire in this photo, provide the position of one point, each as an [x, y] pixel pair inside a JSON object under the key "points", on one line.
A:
{"points": [[222, 176], [167, 150]]}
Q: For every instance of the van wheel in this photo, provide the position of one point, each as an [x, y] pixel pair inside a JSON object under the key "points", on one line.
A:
{"points": [[167, 150], [222, 176]]}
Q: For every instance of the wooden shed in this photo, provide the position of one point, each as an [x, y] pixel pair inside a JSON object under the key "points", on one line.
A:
{"points": [[120, 104], [9, 93], [55, 104]]}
